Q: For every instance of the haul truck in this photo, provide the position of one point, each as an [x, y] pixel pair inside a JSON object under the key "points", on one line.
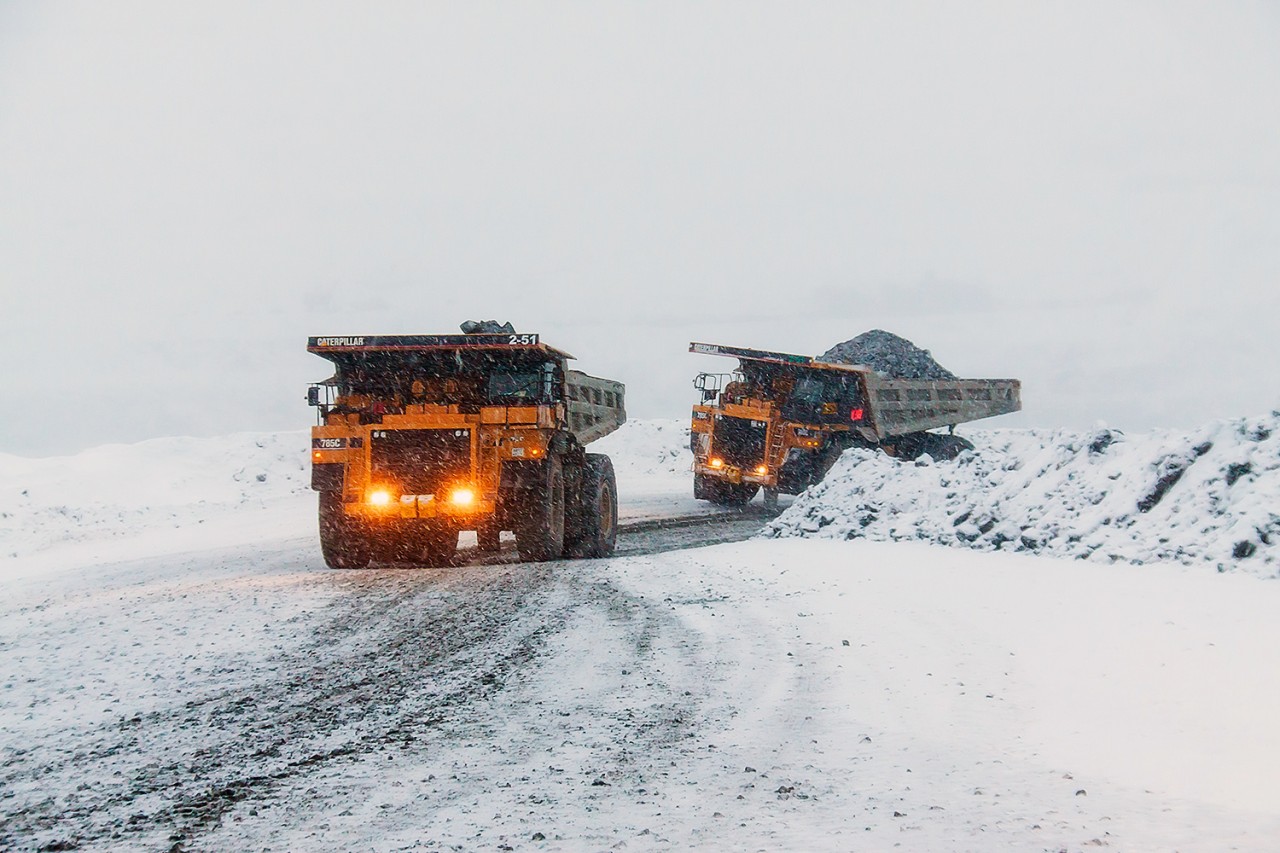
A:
{"points": [[422, 436], [780, 421]]}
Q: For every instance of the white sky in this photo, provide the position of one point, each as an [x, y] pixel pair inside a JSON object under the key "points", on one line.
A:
{"points": [[1084, 196]]}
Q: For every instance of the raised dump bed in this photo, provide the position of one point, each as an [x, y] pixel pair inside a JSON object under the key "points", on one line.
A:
{"points": [[903, 406], [596, 406]]}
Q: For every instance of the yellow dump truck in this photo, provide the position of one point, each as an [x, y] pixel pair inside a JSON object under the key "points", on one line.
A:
{"points": [[420, 437], [779, 421]]}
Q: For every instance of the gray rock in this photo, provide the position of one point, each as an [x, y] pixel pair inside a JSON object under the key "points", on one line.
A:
{"points": [[888, 354]]}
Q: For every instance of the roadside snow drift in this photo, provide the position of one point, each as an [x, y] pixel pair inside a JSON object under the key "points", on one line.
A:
{"points": [[120, 490], [1207, 496]]}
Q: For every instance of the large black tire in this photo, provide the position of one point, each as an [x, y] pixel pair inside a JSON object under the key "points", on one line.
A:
{"points": [[941, 448], [771, 499], [593, 531], [540, 515], [342, 541]]}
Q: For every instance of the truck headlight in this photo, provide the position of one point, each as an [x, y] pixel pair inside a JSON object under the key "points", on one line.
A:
{"points": [[462, 496], [717, 463], [380, 497]]}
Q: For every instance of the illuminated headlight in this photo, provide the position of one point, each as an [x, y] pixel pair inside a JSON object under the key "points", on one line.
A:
{"points": [[717, 463], [462, 497], [762, 469], [380, 497]]}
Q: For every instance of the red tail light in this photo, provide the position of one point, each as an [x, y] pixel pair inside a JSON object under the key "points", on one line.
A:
{"points": [[855, 414]]}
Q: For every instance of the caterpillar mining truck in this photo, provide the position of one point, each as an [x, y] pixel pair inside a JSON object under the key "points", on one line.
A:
{"points": [[420, 437], [780, 421]]}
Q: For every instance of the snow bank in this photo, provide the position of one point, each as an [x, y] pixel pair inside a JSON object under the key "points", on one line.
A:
{"points": [[119, 491], [1207, 496]]}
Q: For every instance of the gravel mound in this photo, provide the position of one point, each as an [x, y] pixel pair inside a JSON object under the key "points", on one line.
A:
{"points": [[888, 354]]}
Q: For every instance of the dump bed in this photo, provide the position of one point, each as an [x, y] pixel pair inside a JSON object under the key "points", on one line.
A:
{"points": [[596, 406], [903, 406]]}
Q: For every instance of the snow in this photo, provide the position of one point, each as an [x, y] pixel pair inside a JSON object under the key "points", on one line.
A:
{"points": [[1207, 497], [808, 691]]}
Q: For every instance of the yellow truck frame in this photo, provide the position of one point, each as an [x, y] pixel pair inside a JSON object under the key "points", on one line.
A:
{"points": [[781, 420], [420, 437]]}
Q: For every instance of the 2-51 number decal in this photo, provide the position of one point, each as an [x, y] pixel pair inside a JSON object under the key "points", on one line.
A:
{"points": [[523, 340]]}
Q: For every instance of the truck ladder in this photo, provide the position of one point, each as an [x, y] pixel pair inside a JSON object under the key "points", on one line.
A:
{"points": [[775, 445]]}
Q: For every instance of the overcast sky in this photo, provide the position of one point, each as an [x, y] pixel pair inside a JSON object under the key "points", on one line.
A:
{"points": [[1085, 196]]}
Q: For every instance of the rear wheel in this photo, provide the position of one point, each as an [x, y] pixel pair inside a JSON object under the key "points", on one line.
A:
{"points": [[594, 531], [342, 540], [540, 515], [941, 448]]}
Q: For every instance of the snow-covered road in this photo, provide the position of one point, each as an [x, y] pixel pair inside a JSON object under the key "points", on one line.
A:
{"points": [[248, 698]]}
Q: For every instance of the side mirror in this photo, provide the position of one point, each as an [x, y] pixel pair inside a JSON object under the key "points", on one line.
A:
{"points": [[313, 395]]}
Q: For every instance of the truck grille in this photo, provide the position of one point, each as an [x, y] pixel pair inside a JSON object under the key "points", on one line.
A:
{"points": [[420, 461], [738, 441]]}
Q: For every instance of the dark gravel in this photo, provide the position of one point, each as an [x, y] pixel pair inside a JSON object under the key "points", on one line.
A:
{"points": [[888, 354]]}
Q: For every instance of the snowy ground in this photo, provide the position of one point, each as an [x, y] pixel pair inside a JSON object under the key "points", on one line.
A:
{"points": [[200, 680]]}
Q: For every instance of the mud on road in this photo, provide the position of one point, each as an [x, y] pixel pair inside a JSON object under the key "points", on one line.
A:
{"points": [[388, 657]]}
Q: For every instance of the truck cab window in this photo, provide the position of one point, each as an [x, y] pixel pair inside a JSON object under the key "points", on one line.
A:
{"points": [[514, 384]]}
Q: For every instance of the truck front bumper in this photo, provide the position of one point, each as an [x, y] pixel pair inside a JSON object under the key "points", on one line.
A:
{"points": [[733, 474]]}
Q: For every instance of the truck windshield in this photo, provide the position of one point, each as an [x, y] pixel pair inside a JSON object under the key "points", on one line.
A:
{"points": [[819, 398], [521, 384]]}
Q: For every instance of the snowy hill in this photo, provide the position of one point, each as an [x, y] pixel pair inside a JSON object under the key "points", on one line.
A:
{"points": [[119, 490], [1211, 496]]}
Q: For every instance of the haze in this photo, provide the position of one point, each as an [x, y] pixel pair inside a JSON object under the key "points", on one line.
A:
{"points": [[1083, 196]]}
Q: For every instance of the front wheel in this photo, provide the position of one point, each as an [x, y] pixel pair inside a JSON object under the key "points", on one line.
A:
{"points": [[342, 540], [540, 515], [595, 525]]}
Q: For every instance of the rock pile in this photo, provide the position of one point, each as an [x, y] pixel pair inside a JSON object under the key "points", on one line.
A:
{"points": [[888, 354]]}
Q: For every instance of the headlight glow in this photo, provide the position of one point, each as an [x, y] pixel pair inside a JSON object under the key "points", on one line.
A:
{"points": [[462, 497], [717, 463], [761, 469], [379, 497]]}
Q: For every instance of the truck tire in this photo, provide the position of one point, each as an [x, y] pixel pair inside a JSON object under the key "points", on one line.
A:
{"points": [[540, 515], [941, 448], [944, 448], [594, 531], [342, 542]]}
